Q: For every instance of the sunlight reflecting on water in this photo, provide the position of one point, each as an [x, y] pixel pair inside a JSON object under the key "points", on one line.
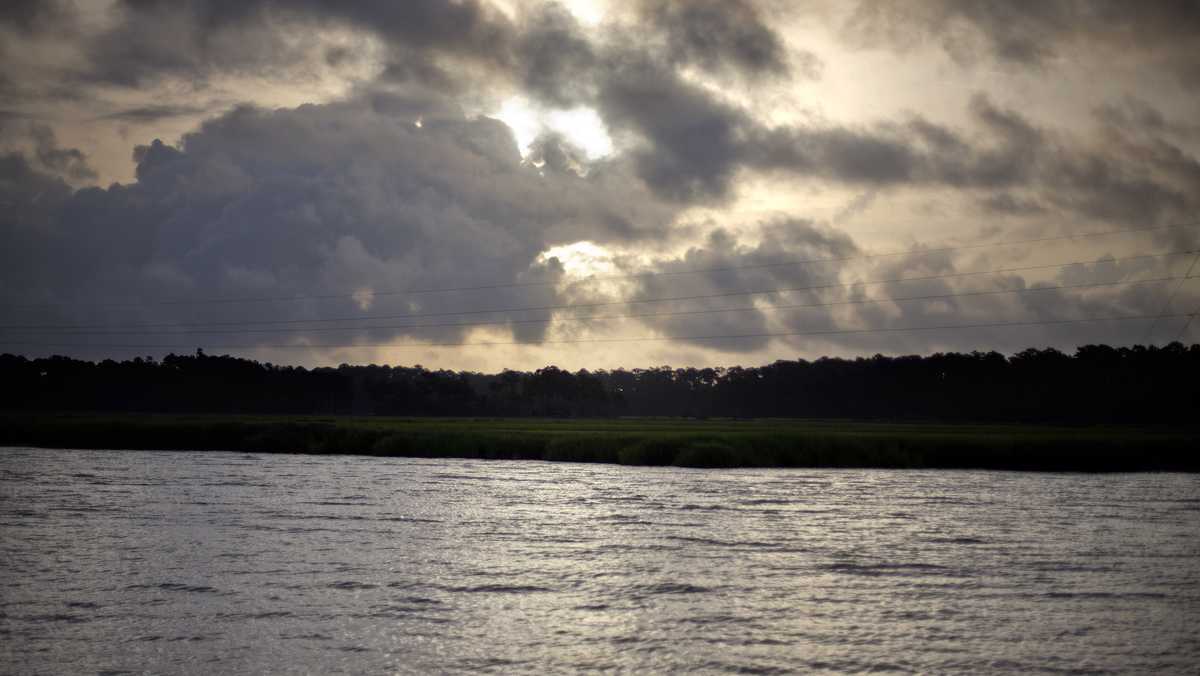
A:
{"points": [[233, 563]]}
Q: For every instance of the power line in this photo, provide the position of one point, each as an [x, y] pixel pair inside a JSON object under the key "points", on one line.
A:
{"points": [[1171, 299], [569, 306], [784, 334], [1183, 329], [665, 273], [547, 320]]}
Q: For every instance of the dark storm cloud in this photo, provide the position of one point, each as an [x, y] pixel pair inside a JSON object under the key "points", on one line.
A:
{"points": [[1034, 34], [937, 295], [466, 26], [915, 152], [556, 61], [857, 156], [188, 40], [314, 200], [25, 26], [468, 48], [30, 201], [719, 35], [22, 133], [969, 300], [194, 40], [1120, 179], [734, 268], [1132, 114], [153, 113], [691, 151], [1007, 203], [463, 47], [694, 141], [1128, 174], [32, 15], [556, 154], [69, 162], [694, 146], [28, 195], [697, 145], [545, 50]]}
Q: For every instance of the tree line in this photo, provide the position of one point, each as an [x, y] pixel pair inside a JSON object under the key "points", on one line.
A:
{"points": [[1096, 384]]}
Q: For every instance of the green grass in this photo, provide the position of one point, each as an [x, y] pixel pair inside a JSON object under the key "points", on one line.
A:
{"points": [[687, 443]]}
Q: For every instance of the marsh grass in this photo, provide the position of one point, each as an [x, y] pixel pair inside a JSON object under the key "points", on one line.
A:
{"points": [[685, 443]]}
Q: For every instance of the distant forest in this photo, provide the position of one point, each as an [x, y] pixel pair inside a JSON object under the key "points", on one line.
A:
{"points": [[1097, 384]]}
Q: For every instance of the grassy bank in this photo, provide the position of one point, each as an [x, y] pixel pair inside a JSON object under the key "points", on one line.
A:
{"points": [[687, 443]]}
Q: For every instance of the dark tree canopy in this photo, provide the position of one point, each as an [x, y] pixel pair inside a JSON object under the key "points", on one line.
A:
{"points": [[1097, 384]]}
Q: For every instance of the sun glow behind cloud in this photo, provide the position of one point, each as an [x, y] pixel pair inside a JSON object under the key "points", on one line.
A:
{"points": [[588, 12], [581, 259], [591, 271], [581, 126]]}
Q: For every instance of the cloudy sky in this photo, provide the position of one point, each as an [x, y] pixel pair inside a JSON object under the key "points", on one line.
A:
{"points": [[595, 183]]}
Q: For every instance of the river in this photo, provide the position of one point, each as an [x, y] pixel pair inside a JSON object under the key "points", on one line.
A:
{"points": [[173, 562]]}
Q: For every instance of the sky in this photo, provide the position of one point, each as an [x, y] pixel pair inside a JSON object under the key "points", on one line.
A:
{"points": [[481, 185]]}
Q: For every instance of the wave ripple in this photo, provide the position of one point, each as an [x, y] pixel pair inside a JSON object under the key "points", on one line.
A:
{"points": [[144, 562]]}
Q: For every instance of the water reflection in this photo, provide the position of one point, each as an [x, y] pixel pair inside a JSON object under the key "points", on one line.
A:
{"points": [[202, 562]]}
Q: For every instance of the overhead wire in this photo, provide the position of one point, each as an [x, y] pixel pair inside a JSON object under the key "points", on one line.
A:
{"points": [[1171, 298], [571, 306], [662, 273], [547, 320], [1183, 329]]}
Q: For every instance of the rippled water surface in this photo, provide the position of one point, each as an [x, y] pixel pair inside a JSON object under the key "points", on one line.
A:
{"points": [[117, 561]]}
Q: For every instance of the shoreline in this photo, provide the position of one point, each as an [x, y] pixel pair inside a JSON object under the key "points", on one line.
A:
{"points": [[648, 442]]}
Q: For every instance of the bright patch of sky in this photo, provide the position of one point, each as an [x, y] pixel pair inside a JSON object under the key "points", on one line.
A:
{"points": [[587, 12], [581, 126], [581, 259]]}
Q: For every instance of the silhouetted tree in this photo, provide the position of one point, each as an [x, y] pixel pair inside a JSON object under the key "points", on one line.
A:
{"points": [[1098, 383]]}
